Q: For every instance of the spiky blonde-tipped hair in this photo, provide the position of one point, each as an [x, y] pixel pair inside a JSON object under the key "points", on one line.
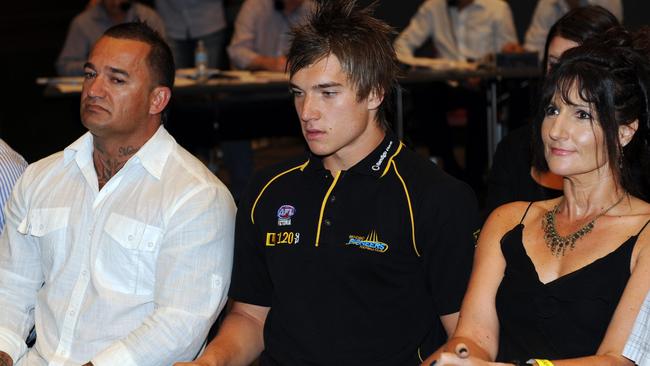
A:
{"points": [[360, 42]]}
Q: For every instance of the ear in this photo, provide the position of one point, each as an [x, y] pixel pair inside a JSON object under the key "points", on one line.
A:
{"points": [[626, 132], [375, 98], [159, 98]]}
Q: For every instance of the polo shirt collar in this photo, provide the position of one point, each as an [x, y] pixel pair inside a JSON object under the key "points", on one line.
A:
{"points": [[374, 164]]}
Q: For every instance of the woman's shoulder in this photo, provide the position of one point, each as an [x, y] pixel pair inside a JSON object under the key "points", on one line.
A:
{"points": [[521, 211]]}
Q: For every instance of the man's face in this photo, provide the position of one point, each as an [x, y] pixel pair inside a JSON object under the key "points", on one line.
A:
{"points": [[333, 121], [117, 94]]}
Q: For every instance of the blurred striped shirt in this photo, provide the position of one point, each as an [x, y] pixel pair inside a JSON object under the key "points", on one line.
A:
{"points": [[12, 165], [637, 348]]}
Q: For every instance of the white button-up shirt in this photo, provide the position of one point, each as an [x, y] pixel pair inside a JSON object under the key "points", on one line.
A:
{"points": [[637, 348], [548, 12], [132, 274], [480, 29], [261, 30]]}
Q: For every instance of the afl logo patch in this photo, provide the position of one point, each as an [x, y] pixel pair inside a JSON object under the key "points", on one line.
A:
{"points": [[285, 213]]}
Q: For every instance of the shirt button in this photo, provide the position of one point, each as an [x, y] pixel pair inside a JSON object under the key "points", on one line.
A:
{"points": [[332, 198], [327, 222], [84, 273], [150, 244], [130, 237], [72, 312]]}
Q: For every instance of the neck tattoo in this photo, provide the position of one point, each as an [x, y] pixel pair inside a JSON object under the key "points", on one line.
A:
{"points": [[558, 244]]}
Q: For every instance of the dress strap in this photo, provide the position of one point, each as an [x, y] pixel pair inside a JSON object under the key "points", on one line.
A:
{"points": [[646, 224], [526, 212]]}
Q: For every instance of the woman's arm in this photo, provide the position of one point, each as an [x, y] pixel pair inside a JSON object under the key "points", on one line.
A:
{"points": [[478, 325]]}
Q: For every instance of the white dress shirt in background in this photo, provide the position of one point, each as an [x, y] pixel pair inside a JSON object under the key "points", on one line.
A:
{"points": [[132, 274], [481, 28], [261, 30], [548, 12], [637, 348]]}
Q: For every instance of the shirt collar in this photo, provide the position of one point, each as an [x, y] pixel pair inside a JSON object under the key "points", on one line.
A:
{"points": [[374, 164], [152, 155]]}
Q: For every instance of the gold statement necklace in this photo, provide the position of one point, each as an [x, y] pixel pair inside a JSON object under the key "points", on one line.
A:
{"points": [[558, 244]]}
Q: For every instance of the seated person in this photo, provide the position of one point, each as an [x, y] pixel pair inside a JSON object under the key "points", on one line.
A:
{"points": [[461, 30], [12, 165], [119, 248], [566, 292], [512, 176], [547, 12], [358, 252], [261, 38], [89, 25], [260, 42], [637, 347]]}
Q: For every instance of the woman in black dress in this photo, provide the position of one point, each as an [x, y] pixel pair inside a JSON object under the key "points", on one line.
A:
{"points": [[561, 281]]}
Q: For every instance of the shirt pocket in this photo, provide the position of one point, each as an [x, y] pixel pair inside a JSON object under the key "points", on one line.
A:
{"points": [[126, 260], [48, 226]]}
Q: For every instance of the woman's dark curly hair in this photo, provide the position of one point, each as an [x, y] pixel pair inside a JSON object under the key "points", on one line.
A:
{"points": [[612, 74]]}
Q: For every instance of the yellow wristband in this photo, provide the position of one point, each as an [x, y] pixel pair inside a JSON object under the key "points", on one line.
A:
{"points": [[544, 362]]}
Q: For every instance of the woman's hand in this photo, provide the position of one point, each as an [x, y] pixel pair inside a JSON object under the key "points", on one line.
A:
{"points": [[461, 357]]}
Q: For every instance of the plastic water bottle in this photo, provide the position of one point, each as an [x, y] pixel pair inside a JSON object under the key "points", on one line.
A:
{"points": [[201, 62]]}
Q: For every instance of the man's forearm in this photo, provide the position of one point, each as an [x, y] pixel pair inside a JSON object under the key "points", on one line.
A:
{"points": [[5, 359], [239, 342]]}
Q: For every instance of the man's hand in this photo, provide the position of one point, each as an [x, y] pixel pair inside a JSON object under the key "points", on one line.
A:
{"points": [[5, 359]]}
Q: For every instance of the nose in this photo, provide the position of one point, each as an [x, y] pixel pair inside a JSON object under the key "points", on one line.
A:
{"points": [[557, 127], [307, 108], [94, 87]]}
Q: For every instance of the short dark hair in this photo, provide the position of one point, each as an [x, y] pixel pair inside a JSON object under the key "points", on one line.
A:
{"points": [[612, 73], [580, 24], [360, 42], [160, 58]]}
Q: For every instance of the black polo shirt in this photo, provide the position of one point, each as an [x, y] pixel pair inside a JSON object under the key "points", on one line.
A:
{"points": [[357, 268]]}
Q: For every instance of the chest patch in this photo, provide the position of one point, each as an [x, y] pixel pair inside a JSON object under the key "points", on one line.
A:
{"points": [[285, 213], [369, 242]]}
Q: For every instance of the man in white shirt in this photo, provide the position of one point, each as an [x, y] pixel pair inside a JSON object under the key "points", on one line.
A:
{"points": [[548, 12], [461, 30], [119, 248], [637, 348]]}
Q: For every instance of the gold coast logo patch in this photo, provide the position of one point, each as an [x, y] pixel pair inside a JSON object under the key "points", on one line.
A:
{"points": [[370, 242]]}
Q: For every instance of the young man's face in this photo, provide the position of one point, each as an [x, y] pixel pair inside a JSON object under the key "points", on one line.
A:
{"points": [[118, 92], [334, 123]]}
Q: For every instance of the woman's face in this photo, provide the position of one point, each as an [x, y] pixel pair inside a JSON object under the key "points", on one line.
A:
{"points": [[573, 139], [556, 48]]}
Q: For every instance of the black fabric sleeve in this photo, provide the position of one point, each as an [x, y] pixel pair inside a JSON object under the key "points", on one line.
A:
{"points": [[251, 282], [448, 255]]}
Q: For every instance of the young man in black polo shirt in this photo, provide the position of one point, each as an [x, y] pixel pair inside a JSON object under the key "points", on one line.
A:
{"points": [[359, 253]]}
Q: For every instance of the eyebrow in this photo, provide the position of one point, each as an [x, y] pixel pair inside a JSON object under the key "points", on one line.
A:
{"points": [[113, 70], [319, 86]]}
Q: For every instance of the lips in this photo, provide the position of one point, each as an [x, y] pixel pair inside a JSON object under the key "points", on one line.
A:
{"points": [[94, 108], [560, 152], [313, 134]]}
